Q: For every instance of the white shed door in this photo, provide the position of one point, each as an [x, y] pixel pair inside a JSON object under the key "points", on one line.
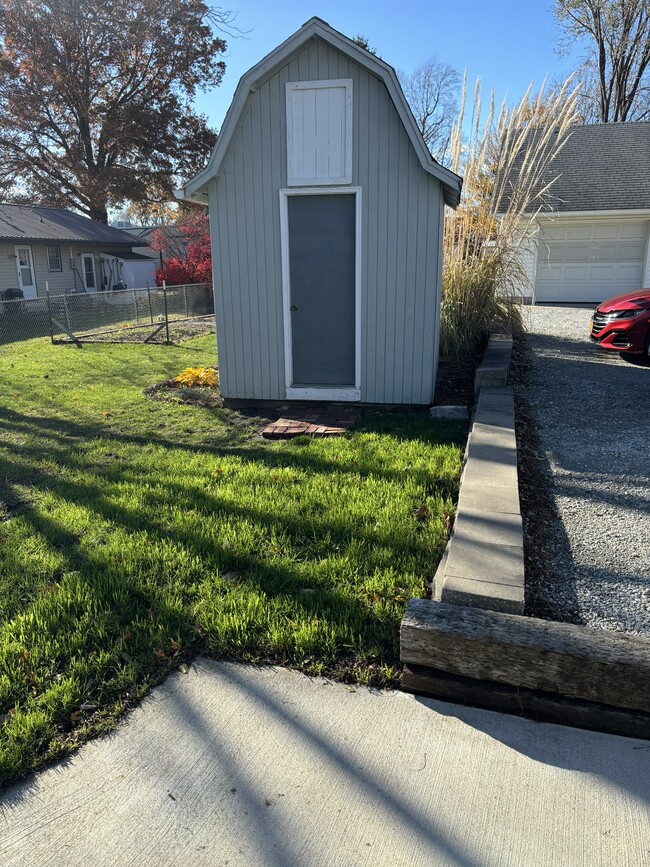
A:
{"points": [[589, 262], [319, 132]]}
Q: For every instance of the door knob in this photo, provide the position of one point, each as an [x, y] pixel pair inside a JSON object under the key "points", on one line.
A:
{"points": [[293, 308]]}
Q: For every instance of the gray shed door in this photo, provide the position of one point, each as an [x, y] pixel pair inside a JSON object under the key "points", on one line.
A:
{"points": [[322, 279]]}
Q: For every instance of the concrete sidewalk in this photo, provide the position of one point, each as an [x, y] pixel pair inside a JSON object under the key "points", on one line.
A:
{"points": [[233, 765]]}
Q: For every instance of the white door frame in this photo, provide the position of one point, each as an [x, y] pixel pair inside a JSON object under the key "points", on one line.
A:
{"points": [[90, 256], [30, 289], [293, 392]]}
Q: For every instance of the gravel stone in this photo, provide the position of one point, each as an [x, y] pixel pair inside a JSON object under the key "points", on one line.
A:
{"points": [[592, 412]]}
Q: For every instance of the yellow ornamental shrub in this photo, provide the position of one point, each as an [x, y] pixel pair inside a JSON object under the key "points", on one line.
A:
{"points": [[197, 376]]}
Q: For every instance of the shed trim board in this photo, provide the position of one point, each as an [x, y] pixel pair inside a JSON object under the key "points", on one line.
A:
{"points": [[195, 189], [294, 392]]}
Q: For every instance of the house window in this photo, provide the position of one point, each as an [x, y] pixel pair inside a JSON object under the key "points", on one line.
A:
{"points": [[54, 258], [319, 132]]}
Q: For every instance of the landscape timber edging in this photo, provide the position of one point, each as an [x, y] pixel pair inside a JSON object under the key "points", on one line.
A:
{"points": [[561, 672], [471, 644]]}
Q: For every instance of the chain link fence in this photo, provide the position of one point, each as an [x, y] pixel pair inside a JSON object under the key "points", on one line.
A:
{"points": [[152, 314]]}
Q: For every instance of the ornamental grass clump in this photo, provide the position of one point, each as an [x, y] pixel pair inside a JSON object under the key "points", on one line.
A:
{"points": [[505, 163], [193, 377]]}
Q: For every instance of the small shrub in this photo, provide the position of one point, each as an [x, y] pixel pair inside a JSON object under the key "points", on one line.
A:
{"points": [[198, 376], [185, 248]]}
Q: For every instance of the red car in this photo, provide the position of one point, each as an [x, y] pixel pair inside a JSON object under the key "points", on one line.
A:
{"points": [[623, 323]]}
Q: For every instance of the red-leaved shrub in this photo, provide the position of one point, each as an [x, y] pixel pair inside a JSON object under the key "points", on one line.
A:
{"points": [[186, 251]]}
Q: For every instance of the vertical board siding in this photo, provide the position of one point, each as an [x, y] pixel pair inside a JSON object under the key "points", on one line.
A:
{"points": [[436, 274], [223, 294], [247, 251], [400, 253], [260, 247]]}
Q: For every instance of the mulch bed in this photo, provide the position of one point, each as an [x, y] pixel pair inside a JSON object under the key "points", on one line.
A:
{"points": [[455, 383], [171, 391]]}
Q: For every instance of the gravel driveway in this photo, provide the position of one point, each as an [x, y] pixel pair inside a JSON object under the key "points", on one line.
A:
{"points": [[592, 411]]}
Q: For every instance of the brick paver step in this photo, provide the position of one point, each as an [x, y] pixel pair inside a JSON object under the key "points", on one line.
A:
{"points": [[301, 420]]}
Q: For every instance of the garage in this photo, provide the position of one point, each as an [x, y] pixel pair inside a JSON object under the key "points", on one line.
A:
{"points": [[588, 236], [590, 261]]}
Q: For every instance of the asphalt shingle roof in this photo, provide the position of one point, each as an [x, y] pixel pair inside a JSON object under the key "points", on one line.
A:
{"points": [[602, 167], [24, 223]]}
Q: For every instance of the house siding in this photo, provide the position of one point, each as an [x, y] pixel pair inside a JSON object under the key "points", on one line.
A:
{"points": [[400, 224], [58, 282], [8, 274]]}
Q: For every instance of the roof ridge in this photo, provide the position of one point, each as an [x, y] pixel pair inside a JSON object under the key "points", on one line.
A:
{"points": [[43, 223], [317, 28], [41, 208]]}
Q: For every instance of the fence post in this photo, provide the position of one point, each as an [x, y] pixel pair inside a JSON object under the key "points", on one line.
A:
{"points": [[185, 296], [49, 310], [67, 312], [166, 314], [150, 307], [135, 304]]}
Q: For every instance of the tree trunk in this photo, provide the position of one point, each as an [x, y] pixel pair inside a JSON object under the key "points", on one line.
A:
{"points": [[99, 213]]}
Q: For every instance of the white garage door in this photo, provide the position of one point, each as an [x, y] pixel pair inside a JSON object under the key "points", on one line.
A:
{"points": [[590, 261]]}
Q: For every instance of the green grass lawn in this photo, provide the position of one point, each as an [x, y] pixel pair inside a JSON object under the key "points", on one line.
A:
{"points": [[136, 533]]}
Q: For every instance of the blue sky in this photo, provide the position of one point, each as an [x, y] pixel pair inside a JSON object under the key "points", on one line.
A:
{"points": [[507, 43]]}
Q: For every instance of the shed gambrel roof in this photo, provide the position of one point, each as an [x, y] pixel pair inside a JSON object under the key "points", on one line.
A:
{"points": [[25, 223], [601, 167], [315, 28]]}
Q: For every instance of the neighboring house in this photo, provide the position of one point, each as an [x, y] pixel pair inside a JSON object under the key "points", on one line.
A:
{"points": [[326, 210], [140, 272], [56, 249], [593, 241]]}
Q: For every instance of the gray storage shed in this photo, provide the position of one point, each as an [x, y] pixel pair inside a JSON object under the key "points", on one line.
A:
{"points": [[326, 215]]}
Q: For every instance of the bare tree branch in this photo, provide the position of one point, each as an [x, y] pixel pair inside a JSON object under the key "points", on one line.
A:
{"points": [[432, 91], [616, 69]]}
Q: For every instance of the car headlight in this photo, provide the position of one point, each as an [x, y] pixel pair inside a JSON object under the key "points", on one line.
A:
{"points": [[624, 314]]}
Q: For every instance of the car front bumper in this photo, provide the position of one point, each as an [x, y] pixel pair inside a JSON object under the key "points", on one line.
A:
{"points": [[621, 336]]}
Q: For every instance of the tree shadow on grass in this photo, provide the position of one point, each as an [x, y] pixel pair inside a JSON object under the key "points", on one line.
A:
{"points": [[59, 435], [129, 612]]}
